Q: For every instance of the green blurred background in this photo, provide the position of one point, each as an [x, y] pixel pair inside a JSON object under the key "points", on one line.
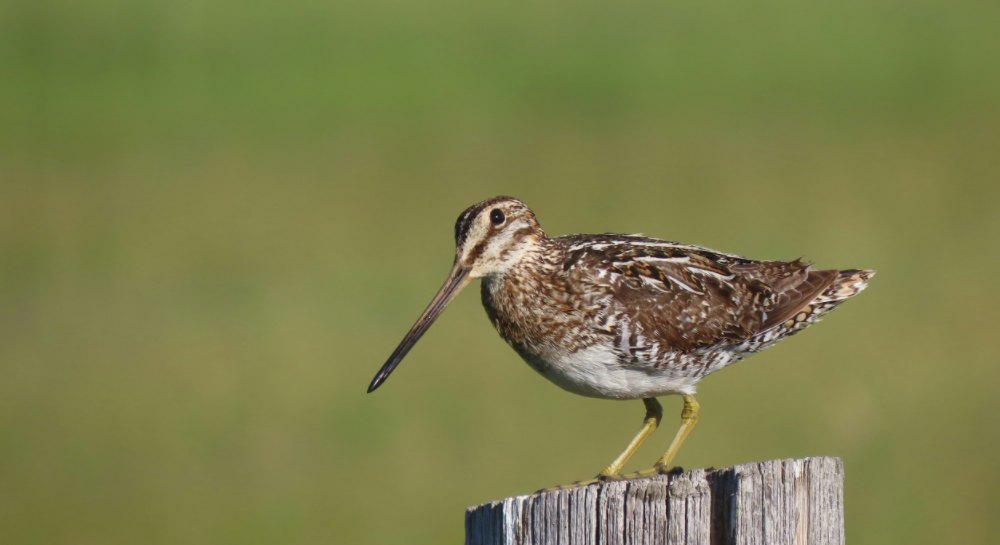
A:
{"points": [[217, 218]]}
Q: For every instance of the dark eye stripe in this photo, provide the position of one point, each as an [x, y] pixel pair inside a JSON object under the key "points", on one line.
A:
{"points": [[463, 224]]}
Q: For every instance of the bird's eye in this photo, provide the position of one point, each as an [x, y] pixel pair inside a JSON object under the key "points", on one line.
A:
{"points": [[497, 217]]}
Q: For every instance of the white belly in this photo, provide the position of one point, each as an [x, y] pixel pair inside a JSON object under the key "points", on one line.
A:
{"points": [[596, 372]]}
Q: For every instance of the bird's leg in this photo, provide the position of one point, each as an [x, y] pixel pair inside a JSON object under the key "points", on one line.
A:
{"points": [[654, 412], [689, 417]]}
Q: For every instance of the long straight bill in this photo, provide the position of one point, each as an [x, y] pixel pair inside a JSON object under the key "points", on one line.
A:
{"points": [[457, 279]]}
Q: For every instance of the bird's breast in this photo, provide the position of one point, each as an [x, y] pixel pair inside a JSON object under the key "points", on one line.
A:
{"points": [[535, 315], [565, 343]]}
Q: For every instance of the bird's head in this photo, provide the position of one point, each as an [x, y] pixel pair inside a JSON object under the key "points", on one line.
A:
{"points": [[494, 235], [490, 238]]}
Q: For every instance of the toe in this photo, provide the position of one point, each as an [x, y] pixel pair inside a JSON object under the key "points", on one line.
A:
{"points": [[666, 470]]}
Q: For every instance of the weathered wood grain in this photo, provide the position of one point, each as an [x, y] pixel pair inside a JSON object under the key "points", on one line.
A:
{"points": [[775, 502]]}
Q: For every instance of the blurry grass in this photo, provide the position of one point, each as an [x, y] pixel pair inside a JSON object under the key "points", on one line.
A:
{"points": [[217, 219]]}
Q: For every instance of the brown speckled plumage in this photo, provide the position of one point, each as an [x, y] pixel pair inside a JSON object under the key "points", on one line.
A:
{"points": [[626, 316]]}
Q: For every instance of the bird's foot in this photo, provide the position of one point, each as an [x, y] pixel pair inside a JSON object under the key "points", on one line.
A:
{"points": [[655, 470], [607, 474], [601, 477], [642, 473], [666, 470]]}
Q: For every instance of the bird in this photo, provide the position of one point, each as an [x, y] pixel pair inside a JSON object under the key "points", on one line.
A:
{"points": [[625, 316]]}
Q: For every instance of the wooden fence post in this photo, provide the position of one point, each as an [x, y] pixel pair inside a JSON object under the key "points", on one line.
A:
{"points": [[776, 502]]}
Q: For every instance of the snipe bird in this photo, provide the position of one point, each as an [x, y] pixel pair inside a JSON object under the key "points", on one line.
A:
{"points": [[626, 316]]}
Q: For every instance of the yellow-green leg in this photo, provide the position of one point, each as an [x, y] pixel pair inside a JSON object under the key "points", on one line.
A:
{"points": [[689, 417], [654, 412]]}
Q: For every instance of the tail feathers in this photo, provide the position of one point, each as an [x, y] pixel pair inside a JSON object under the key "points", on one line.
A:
{"points": [[847, 284]]}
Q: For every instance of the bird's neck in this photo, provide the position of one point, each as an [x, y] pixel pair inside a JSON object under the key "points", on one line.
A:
{"points": [[535, 258]]}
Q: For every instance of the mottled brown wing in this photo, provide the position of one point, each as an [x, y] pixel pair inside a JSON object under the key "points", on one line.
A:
{"points": [[685, 298], [672, 298]]}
